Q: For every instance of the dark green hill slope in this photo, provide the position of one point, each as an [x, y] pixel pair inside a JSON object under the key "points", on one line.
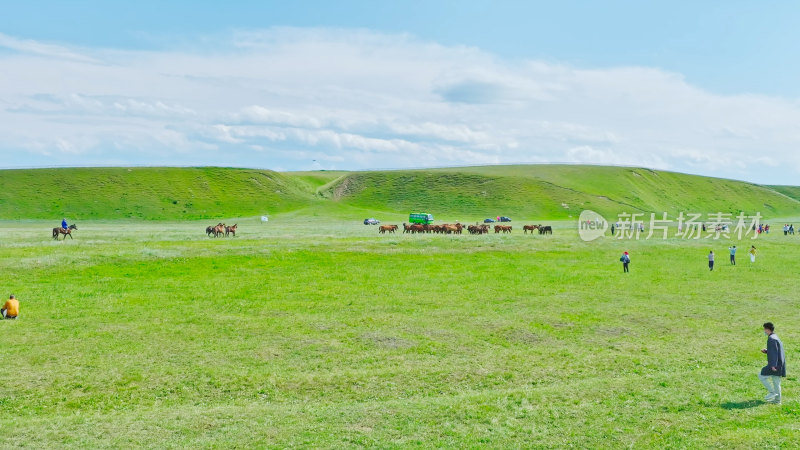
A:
{"points": [[147, 193]]}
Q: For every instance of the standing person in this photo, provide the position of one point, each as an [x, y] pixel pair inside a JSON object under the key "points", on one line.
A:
{"points": [[752, 253], [733, 255], [612, 229], [775, 369], [625, 259], [11, 308], [711, 260]]}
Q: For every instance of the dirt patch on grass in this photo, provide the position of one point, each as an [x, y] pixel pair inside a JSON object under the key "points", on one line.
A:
{"points": [[384, 341]]}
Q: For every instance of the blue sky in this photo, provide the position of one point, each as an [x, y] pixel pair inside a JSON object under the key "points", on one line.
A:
{"points": [[704, 87], [730, 47]]}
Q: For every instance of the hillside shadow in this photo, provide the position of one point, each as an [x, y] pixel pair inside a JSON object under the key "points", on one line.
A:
{"points": [[741, 405]]}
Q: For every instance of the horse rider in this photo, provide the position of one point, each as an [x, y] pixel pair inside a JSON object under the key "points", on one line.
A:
{"points": [[64, 223]]}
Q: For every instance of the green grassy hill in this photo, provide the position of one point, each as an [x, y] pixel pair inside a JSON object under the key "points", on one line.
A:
{"points": [[789, 191], [148, 193], [523, 192], [555, 191]]}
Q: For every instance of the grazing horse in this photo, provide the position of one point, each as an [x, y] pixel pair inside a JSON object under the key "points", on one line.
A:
{"points": [[65, 231], [529, 227], [384, 228], [219, 230], [215, 229], [231, 230], [547, 229]]}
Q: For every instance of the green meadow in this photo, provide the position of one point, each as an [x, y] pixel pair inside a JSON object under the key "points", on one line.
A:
{"points": [[313, 331]]}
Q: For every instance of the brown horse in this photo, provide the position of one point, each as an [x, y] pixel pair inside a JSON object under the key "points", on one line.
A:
{"points": [[215, 229], [231, 230], [529, 227], [503, 228], [384, 228], [219, 230], [65, 231]]}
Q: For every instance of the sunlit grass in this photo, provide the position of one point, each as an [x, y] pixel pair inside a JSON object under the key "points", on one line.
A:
{"points": [[315, 331]]}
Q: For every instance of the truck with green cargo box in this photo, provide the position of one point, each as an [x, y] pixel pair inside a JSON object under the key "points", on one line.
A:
{"points": [[421, 218]]}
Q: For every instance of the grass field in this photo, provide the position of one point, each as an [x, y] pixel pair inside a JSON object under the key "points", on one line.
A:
{"points": [[312, 331]]}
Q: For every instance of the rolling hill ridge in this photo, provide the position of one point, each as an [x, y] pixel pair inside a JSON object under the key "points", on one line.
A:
{"points": [[526, 191]]}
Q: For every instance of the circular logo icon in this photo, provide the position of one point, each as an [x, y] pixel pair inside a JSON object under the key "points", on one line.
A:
{"points": [[591, 225]]}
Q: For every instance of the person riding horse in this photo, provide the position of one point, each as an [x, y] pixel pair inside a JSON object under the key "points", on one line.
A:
{"points": [[64, 223]]}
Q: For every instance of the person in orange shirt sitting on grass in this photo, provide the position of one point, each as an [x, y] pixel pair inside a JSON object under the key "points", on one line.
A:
{"points": [[11, 308]]}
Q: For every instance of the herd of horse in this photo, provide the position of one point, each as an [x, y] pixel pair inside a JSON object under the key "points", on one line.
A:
{"points": [[458, 228], [221, 229]]}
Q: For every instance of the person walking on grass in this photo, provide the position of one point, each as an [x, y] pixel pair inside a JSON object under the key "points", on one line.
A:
{"points": [[752, 253], [775, 369], [10, 309], [711, 260], [625, 259], [733, 255]]}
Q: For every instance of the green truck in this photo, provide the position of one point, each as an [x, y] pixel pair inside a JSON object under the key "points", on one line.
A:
{"points": [[422, 218]]}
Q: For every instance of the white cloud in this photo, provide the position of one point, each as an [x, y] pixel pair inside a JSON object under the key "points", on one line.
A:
{"points": [[31, 47], [356, 99]]}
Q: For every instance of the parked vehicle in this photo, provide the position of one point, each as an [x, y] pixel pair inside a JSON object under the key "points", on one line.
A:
{"points": [[488, 220], [504, 219], [371, 221], [421, 218]]}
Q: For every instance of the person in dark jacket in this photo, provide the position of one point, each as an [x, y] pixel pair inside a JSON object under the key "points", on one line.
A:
{"points": [[775, 369], [625, 260]]}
